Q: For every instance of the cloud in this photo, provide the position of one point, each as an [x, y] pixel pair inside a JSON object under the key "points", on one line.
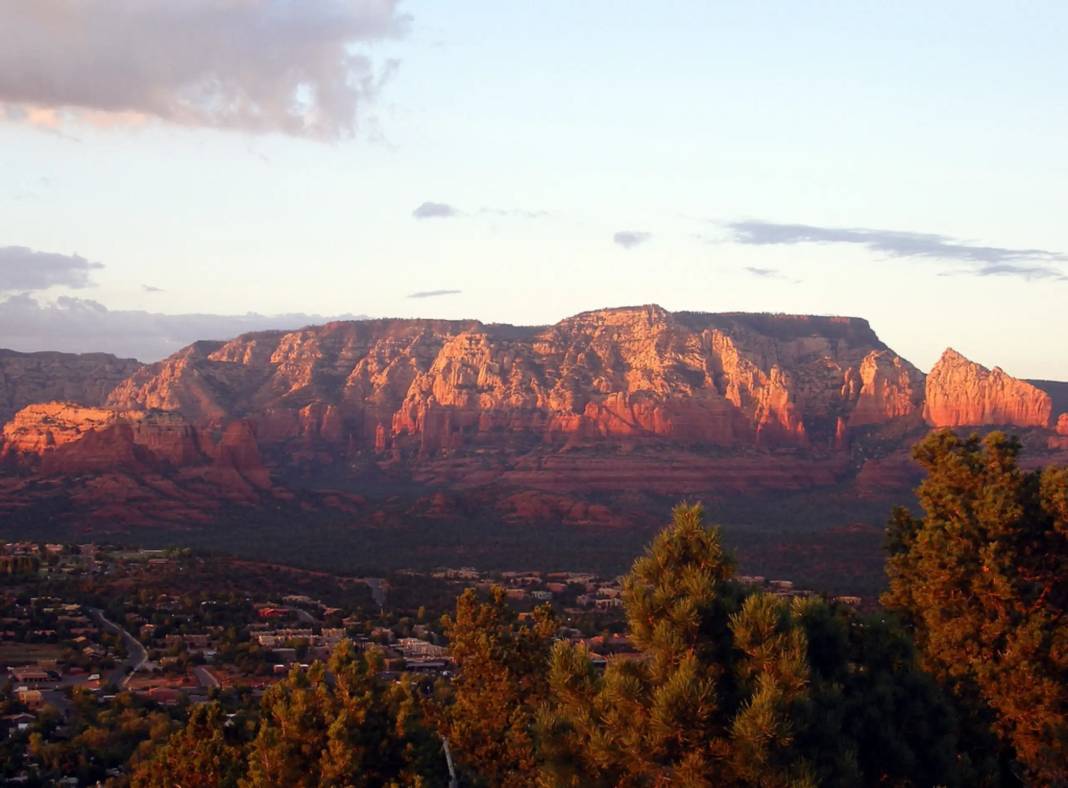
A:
{"points": [[767, 273], [151, 289], [433, 293], [434, 210], [80, 325], [515, 213], [1028, 272], [253, 65], [896, 243], [25, 269], [628, 239]]}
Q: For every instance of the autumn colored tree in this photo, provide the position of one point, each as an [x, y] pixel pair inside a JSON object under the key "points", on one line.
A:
{"points": [[197, 756], [501, 679], [982, 581]]}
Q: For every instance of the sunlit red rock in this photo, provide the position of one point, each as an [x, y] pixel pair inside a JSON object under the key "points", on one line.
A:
{"points": [[963, 393], [85, 379], [430, 386]]}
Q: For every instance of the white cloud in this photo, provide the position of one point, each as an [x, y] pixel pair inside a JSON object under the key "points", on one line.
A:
{"points": [[290, 66], [80, 325], [25, 269]]}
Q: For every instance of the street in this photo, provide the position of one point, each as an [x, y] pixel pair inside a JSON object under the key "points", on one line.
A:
{"points": [[136, 656]]}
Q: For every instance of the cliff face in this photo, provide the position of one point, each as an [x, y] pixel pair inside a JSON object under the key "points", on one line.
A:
{"points": [[86, 379], [963, 393], [726, 380], [573, 422], [62, 438]]}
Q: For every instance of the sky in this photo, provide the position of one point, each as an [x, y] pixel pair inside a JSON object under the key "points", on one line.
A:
{"points": [[174, 169]]}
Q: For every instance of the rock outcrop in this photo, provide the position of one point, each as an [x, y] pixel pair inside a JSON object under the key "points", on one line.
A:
{"points": [[62, 438], [963, 393], [86, 379], [583, 422], [726, 380]]}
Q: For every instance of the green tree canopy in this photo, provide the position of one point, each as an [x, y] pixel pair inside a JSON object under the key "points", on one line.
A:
{"points": [[982, 580], [340, 724], [737, 688]]}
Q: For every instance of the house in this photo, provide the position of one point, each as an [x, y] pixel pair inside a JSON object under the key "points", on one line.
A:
{"points": [[414, 647], [542, 596], [32, 699], [30, 676], [608, 603], [17, 722], [196, 642], [167, 696]]}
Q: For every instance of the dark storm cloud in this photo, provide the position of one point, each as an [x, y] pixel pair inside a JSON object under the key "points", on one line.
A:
{"points": [[24, 269], [254, 65], [628, 239], [80, 325], [433, 293], [993, 260], [434, 210]]}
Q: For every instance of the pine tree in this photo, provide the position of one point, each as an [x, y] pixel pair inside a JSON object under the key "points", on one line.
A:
{"points": [[982, 581], [197, 756], [342, 725], [742, 690], [663, 719], [501, 666]]}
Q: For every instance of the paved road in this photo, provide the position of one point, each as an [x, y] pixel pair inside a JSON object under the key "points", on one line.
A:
{"points": [[378, 586], [304, 616], [206, 678], [136, 656]]}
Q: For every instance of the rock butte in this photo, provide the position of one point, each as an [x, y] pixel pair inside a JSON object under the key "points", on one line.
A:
{"points": [[961, 392], [728, 402]]}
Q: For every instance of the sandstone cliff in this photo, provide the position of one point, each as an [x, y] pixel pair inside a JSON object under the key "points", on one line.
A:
{"points": [[63, 438], [729, 380], [963, 393], [86, 379]]}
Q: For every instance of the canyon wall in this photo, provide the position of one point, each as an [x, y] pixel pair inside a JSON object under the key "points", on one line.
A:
{"points": [[727, 380], [564, 419], [86, 378]]}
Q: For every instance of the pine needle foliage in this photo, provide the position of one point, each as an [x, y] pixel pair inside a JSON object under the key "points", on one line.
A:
{"points": [[500, 681]]}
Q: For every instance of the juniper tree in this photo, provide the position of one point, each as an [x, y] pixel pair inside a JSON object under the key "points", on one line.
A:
{"points": [[982, 580]]}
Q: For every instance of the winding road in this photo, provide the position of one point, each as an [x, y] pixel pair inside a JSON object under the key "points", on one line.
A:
{"points": [[136, 656]]}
